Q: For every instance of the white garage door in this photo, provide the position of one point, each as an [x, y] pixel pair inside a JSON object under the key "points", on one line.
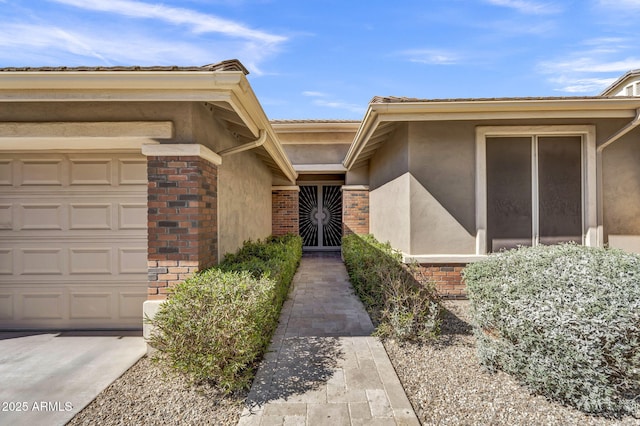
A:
{"points": [[73, 240]]}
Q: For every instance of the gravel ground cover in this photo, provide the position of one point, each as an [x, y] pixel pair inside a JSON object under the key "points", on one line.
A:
{"points": [[447, 386], [148, 394], [443, 381]]}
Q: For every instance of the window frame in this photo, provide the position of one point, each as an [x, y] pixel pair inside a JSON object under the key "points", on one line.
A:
{"points": [[589, 178]]}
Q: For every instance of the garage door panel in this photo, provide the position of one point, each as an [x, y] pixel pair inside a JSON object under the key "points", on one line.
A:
{"points": [[91, 261], [6, 306], [87, 304], [6, 261], [41, 216], [90, 216], [6, 217], [91, 171], [132, 216], [41, 172], [132, 260], [6, 172], [90, 305], [73, 240], [41, 261], [42, 306], [132, 172], [130, 304]]}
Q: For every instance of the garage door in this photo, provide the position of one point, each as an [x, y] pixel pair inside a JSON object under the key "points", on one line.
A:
{"points": [[73, 240]]}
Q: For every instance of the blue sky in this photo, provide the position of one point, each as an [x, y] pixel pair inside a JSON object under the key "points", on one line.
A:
{"points": [[327, 58]]}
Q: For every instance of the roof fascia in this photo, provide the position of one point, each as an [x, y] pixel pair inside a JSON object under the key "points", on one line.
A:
{"points": [[245, 102], [231, 87], [485, 109], [366, 129], [315, 127]]}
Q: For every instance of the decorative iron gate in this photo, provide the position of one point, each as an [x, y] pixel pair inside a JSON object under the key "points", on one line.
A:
{"points": [[321, 216]]}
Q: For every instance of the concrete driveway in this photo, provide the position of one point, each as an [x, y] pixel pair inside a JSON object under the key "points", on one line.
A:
{"points": [[48, 377]]}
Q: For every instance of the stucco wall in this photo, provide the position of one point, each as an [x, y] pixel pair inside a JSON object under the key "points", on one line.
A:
{"points": [[177, 112], [389, 184], [244, 187], [316, 153], [428, 168], [442, 167], [621, 192]]}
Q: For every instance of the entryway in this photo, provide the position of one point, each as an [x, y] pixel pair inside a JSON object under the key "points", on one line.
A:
{"points": [[320, 216]]}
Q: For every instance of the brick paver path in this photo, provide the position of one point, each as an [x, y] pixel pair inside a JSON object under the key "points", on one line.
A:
{"points": [[323, 367]]}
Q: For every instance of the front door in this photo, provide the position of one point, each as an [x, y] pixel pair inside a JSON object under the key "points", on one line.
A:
{"points": [[321, 216]]}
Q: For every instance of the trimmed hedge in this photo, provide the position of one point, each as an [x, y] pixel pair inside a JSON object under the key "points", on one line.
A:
{"points": [[401, 307], [565, 320], [217, 324]]}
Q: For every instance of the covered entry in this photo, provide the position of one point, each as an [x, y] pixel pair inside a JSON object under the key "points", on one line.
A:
{"points": [[320, 216]]}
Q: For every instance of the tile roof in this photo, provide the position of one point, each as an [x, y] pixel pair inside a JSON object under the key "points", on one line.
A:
{"points": [[228, 65], [396, 99], [312, 121]]}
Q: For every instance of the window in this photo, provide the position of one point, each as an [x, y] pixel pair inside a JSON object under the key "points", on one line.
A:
{"points": [[535, 185]]}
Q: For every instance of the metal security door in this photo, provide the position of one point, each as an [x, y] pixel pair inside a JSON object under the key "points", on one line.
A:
{"points": [[321, 216]]}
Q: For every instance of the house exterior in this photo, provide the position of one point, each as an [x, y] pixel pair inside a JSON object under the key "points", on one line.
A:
{"points": [[116, 183]]}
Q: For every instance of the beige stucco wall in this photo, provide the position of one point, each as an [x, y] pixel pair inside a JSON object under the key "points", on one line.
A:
{"points": [[389, 197], [621, 192], [429, 169], [316, 153], [177, 112], [244, 187], [442, 166]]}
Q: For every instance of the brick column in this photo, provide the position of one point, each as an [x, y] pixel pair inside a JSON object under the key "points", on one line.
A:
{"points": [[285, 217], [182, 214], [355, 209]]}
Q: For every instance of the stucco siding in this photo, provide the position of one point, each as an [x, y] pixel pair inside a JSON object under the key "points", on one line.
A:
{"points": [[442, 166], [621, 192], [389, 212], [316, 154], [244, 187], [391, 160], [389, 208], [177, 112]]}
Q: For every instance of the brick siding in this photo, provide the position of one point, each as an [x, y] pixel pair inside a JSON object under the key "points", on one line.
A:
{"points": [[182, 220], [285, 213], [447, 278], [355, 211]]}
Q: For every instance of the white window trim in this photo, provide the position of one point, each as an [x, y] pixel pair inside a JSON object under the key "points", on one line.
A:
{"points": [[589, 179]]}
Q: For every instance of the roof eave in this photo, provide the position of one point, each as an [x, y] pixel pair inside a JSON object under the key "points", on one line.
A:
{"points": [[452, 110], [231, 87]]}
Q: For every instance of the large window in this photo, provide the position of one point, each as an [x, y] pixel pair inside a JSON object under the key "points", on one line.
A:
{"points": [[535, 185]]}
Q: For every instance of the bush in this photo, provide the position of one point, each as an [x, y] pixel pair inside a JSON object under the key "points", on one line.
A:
{"points": [[217, 324], [401, 307], [563, 319]]}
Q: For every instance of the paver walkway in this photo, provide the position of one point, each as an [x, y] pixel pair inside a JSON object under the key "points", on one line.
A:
{"points": [[323, 367]]}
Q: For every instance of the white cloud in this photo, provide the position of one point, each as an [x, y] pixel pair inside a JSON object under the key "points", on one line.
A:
{"points": [[582, 85], [208, 38], [324, 100], [527, 6], [620, 4], [314, 94], [40, 45], [590, 65], [199, 22], [594, 68], [431, 56]]}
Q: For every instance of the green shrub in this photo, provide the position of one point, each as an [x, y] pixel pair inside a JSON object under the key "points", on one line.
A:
{"points": [[563, 319], [217, 324], [401, 307]]}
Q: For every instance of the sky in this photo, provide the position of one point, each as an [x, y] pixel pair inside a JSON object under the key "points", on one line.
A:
{"points": [[326, 59]]}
